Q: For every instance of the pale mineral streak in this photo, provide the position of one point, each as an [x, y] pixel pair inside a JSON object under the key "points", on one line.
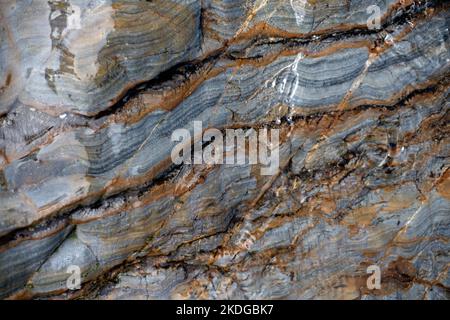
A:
{"points": [[91, 91]]}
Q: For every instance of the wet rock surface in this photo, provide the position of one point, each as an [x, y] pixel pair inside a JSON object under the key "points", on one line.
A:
{"points": [[91, 92]]}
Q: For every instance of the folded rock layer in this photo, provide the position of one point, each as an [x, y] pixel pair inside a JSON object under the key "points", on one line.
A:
{"points": [[91, 92]]}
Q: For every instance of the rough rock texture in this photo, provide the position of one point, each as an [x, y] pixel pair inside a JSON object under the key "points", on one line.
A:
{"points": [[91, 91]]}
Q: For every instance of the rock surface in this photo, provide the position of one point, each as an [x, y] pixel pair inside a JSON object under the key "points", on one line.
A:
{"points": [[91, 91]]}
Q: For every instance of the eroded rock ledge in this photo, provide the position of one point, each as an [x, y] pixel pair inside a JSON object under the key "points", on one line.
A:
{"points": [[87, 108]]}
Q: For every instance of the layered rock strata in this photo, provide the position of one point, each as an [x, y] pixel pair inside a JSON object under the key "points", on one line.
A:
{"points": [[91, 91]]}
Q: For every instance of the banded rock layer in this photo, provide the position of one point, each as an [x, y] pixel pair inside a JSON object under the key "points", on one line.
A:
{"points": [[91, 91]]}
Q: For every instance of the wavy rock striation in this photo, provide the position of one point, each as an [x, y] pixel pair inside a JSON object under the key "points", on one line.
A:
{"points": [[91, 91]]}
